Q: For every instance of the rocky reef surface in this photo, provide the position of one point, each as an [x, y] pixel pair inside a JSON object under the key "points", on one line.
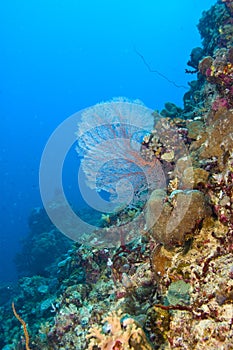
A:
{"points": [[172, 286]]}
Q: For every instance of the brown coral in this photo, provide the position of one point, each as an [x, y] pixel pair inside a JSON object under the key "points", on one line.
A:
{"points": [[176, 217]]}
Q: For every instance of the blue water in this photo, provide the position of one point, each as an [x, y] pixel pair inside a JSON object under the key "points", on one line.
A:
{"points": [[58, 57]]}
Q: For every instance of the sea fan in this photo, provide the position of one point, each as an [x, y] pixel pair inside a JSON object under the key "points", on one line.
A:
{"points": [[109, 140]]}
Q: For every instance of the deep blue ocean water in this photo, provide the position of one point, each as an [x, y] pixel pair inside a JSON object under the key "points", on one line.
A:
{"points": [[58, 57]]}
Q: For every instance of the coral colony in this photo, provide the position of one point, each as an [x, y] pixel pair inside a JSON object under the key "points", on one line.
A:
{"points": [[169, 285]]}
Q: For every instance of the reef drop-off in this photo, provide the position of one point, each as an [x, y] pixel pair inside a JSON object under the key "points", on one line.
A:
{"points": [[171, 287]]}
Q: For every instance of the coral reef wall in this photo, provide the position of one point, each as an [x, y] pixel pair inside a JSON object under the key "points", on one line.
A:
{"points": [[171, 287]]}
